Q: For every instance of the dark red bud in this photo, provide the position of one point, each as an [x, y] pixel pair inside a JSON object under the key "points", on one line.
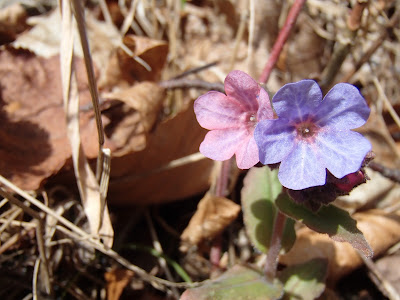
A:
{"points": [[350, 181]]}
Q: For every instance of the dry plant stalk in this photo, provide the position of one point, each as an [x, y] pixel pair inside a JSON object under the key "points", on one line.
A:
{"points": [[89, 189]]}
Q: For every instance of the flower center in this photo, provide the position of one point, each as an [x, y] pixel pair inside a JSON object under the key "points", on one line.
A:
{"points": [[306, 130], [250, 119]]}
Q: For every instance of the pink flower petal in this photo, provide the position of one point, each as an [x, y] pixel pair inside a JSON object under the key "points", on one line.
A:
{"points": [[214, 110], [244, 89], [247, 153], [265, 109], [222, 144]]}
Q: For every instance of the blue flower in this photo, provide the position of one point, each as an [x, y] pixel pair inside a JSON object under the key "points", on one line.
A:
{"points": [[313, 135]]}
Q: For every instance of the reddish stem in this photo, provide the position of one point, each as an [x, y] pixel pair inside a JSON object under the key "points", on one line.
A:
{"points": [[215, 253], [221, 189], [281, 40]]}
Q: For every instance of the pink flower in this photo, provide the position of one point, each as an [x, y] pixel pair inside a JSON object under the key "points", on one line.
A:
{"points": [[232, 119]]}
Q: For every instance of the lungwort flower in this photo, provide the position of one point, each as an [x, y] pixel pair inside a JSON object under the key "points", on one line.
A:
{"points": [[232, 119], [313, 135]]}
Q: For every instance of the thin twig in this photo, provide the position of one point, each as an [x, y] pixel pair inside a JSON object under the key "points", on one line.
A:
{"points": [[20, 204], [155, 281], [44, 265], [12, 240], [10, 219], [87, 240], [185, 83], [380, 281], [392, 174], [385, 100], [375, 46], [35, 276], [129, 17], [195, 70], [39, 237], [281, 40]]}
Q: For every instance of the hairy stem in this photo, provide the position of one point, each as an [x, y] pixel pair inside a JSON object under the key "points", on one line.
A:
{"points": [[281, 40], [221, 189], [275, 247]]}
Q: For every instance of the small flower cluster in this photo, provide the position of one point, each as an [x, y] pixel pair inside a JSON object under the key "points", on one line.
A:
{"points": [[309, 136]]}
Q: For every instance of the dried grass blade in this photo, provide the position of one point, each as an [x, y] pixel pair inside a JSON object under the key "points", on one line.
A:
{"points": [[87, 183]]}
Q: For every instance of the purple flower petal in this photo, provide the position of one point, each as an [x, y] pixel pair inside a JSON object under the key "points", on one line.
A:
{"points": [[265, 109], [342, 152], [301, 169], [214, 110], [222, 144], [342, 108], [275, 139], [244, 89], [295, 101]]}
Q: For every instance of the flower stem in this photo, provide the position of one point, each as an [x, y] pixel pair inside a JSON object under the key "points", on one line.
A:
{"points": [[275, 246], [281, 40], [221, 189]]}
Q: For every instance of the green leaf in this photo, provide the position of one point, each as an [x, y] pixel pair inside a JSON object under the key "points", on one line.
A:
{"points": [[261, 188], [239, 283], [305, 281], [335, 222]]}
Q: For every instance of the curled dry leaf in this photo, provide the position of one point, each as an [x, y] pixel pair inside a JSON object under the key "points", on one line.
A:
{"points": [[45, 36], [212, 216], [168, 169], [123, 69], [145, 101], [12, 22], [380, 229]]}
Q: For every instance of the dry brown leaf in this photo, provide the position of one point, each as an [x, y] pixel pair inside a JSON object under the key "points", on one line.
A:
{"points": [[380, 229], [383, 145], [304, 52], [385, 266], [123, 70], [117, 280], [147, 176], [212, 216], [34, 140], [12, 22], [145, 100]]}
